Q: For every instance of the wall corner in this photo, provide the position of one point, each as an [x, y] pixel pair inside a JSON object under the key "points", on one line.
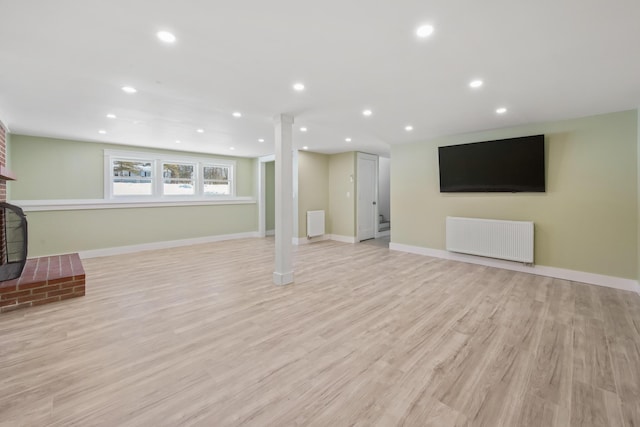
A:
{"points": [[638, 198]]}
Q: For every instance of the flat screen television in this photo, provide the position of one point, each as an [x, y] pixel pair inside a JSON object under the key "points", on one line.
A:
{"points": [[505, 165]]}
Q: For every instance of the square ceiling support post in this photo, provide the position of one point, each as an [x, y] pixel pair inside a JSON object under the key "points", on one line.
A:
{"points": [[283, 273]]}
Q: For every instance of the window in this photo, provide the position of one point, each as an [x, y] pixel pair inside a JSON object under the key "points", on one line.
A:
{"points": [[148, 176], [132, 178], [217, 180], [178, 179]]}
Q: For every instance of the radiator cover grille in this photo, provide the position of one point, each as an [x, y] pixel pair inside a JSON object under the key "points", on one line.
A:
{"points": [[510, 240], [315, 223]]}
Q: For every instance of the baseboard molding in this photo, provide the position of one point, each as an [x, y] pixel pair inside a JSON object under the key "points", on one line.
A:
{"points": [[270, 232], [384, 233], [281, 279], [343, 239], [541, 270], [336, 237], [306, 240], [119, 250]]}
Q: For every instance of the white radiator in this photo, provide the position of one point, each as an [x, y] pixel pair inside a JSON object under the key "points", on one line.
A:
{"points": [[315, 223], [510, 240]]}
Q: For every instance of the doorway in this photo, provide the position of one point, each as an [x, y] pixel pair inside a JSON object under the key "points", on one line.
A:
{"points": [[270, 198], [367, 191], [266, 190]]}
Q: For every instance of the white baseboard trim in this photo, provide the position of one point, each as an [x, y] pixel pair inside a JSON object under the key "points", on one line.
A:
{"points": [[541, 270], [343, 239], [336, 237], [119, 250], [282, 278], [306, 240], [270, 232], [384, 233]]}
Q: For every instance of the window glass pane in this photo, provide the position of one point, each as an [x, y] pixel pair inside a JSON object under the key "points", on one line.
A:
{"points": [[216, 180], [132, 178], [216, 172], [178, 179], [217, 187]]}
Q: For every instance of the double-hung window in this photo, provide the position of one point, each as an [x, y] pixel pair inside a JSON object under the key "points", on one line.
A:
{"points": [[217, 180], [131, 177], [149, 176], [178, 179]]}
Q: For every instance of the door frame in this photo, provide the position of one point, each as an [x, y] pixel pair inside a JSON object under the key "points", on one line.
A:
{"points": [[367, 156], [262, 191], [262, 188]]}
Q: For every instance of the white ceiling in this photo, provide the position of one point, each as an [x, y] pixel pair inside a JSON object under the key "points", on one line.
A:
{"points": [[63, 62]]}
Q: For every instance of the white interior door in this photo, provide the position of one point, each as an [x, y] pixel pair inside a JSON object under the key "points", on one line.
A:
{"points": [[367, 185]]}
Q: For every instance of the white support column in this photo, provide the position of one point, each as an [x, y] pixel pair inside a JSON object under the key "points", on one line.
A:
{"points": [[283, 273]]}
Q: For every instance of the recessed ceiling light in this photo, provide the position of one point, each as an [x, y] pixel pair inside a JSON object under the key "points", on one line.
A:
{"points": [[129, 89], [102, 132], [200, 130], [476, 83], [237, 114], [347, 139], [305, 148], [261, 140], [501, 110], [303, 129], [299, 87], [408, 128], [424, 31], [166, 36], [178, 141], [111, 116], [231, 148], [367, 113]]}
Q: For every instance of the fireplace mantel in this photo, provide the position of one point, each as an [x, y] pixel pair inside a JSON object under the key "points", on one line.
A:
{"points": [[6, 174]]}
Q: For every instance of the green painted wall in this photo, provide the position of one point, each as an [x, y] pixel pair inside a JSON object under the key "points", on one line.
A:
{"points": [[586, 221], [342, 197], [313, 188], [270, 196], [64, 169], [61, 169], [248, 170], [55, 232]]}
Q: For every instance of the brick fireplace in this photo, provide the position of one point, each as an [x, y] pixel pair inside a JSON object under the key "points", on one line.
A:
{"points": [[43, 280], [3, 161]]}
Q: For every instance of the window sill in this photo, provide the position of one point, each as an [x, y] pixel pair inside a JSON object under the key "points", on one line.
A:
{"points": [[87, 204]]}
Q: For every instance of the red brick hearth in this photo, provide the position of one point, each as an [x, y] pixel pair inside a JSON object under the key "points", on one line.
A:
{"points": [[44, 280]]}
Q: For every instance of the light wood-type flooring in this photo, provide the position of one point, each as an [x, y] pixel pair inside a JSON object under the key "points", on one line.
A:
{"points": [[366, 336]]}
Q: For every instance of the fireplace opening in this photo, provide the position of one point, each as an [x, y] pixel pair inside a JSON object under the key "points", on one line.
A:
{"points": [[13, 241]]}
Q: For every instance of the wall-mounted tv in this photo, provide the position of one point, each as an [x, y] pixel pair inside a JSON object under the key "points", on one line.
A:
{"points": [[505, 165]]}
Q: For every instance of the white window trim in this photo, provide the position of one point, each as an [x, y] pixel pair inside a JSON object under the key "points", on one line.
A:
{"points": [[159, 187], [158, 160], [108, 178], [214, 164]]}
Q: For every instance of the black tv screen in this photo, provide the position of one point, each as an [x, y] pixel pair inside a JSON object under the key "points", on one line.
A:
{"points": [[505, 165]]}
